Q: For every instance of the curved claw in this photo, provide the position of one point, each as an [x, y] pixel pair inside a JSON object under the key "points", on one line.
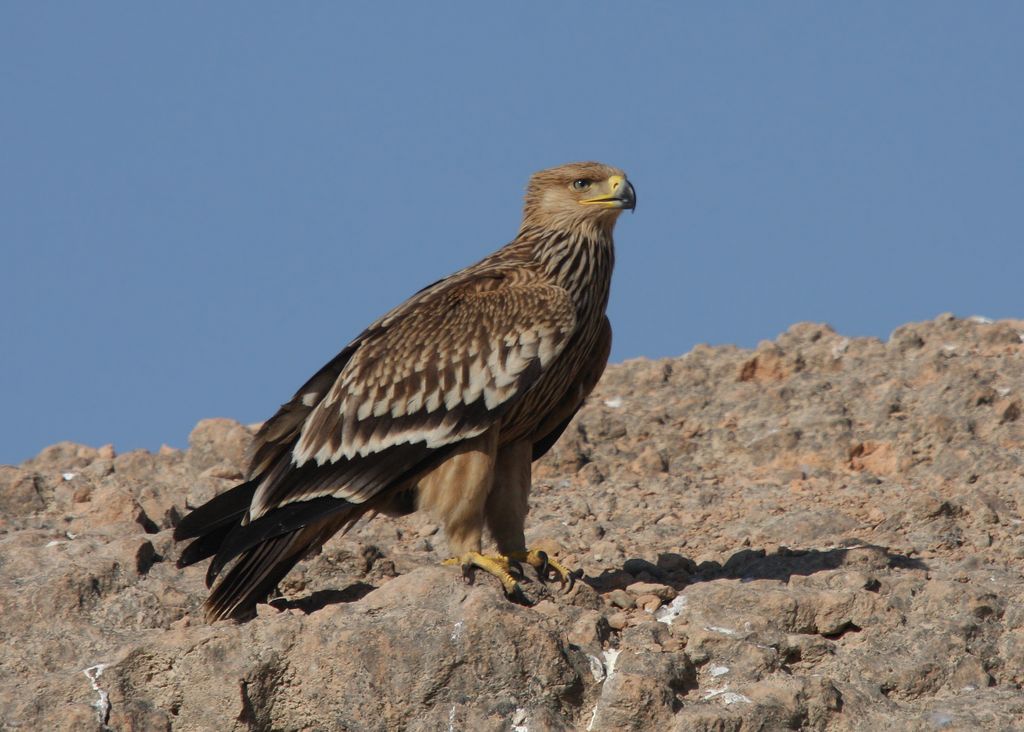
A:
{"points": [[548, 569], [497, 565], [502, 567], [544, 568]]}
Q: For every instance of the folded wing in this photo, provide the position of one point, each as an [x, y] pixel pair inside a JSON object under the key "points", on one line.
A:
{"points": [[423, 379]]}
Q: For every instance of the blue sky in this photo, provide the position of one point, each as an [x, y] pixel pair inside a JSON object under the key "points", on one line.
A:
{"points": [[201, 203]]}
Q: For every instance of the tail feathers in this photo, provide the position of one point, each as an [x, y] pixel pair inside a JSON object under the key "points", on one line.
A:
{"points": [[263, 550], [255, 576], [266, 562], [203, 547], [276, 523], [225, 509], [267, 549]]}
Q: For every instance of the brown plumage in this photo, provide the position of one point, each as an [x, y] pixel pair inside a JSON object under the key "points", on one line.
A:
{"points": [[441, 404]]}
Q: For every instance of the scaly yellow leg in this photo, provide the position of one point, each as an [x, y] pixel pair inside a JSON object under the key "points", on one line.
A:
{"points": [[495, 564], [546, 567]]}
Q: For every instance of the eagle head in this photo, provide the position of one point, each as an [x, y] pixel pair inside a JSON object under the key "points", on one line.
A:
{"points": [[577, 194]]}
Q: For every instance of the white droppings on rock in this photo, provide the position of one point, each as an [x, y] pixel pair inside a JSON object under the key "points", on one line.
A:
{"points": [[68, 476], [673, 610], [731, 697], [519, 719], [596, 668], [610, 657], [608, 670], [457, 630], [718, 670], [614, 402], [726, 696], [720, 630], [102, 703], [55, 542]]}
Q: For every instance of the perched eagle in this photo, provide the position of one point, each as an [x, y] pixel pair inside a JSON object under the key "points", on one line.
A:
{"points": [[440, 405]]}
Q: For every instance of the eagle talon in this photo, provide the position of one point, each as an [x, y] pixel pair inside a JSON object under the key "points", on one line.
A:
{"points": [[573, 576], [548, 569], [495, 564], [542, 570]]}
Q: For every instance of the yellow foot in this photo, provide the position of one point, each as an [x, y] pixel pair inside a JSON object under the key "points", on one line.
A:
{"points": [[547, 568], [495, 564]]}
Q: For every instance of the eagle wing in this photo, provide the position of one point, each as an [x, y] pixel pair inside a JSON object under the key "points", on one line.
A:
{"points": [[439, 369]]}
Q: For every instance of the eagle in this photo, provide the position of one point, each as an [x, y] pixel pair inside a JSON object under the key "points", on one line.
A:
{"points": [[440, 405]]}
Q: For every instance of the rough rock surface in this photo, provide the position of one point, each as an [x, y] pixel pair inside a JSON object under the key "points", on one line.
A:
{"points": [[822, 533]]}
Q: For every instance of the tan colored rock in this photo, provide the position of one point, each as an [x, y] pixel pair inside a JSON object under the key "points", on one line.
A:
{"points": [[549, 546], [618, 620], [589, 630], [970, 673], [829, 526], [650, 462], [218, 442], [663, 592], [649, 603], [621, 599], [19, 492], [65, 457]]}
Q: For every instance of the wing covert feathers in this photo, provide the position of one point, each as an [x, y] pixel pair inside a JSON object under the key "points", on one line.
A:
{"points": [[552, 427], [441, 372], [277, 435]]}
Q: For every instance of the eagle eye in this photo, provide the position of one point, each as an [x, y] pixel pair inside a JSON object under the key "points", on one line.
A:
{"points": [[580, 184]]}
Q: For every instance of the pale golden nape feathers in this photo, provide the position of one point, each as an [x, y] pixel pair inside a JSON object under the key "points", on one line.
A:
{"points": [[440, 405]]}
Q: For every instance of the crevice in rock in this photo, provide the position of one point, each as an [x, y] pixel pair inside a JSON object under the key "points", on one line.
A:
{"points": [[838, 634]]}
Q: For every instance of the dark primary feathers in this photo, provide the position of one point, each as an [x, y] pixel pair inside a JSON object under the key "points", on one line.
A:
{"points": [[515, 341]]}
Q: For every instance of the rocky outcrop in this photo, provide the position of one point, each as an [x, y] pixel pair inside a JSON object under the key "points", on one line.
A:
{"points": [[822, 533]]}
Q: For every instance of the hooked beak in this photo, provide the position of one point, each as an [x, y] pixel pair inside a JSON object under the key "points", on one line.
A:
{"points": [[621, 195]]}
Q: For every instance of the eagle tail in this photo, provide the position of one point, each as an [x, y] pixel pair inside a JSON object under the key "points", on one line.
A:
{"points": [[266, 548], [254, 576], [211, 523], [224, 510]]}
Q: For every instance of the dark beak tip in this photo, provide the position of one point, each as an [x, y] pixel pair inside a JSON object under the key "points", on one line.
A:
{"points": [[626, 197]]}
